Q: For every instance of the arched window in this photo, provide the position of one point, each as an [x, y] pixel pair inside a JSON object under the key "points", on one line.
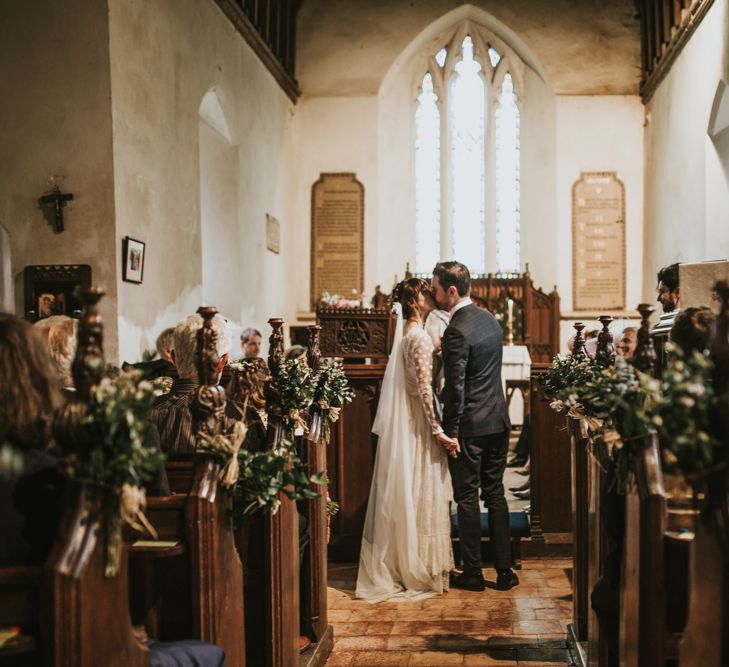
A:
{"points": [[467, 159]]}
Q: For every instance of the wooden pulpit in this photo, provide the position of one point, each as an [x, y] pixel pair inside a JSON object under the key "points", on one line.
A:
{"points": [[362, 337]]}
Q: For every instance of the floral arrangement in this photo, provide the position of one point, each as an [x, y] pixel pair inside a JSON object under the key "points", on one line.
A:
{"points": [[264, 476], [338, 301], [331, 394], [296, 384], [683, 414], [118, 460]]}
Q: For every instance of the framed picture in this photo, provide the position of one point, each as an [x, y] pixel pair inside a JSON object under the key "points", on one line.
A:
{"points": [[133, 260], [51, 289]]}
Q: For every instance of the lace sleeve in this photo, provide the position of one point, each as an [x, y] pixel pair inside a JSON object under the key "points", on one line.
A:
{"points": [[421, 356]]}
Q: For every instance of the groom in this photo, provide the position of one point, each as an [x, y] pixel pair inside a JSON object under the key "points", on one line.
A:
{"points": [[476, 425]]}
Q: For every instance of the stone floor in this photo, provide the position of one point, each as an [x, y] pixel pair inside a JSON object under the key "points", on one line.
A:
{"points": [[524, 626]]}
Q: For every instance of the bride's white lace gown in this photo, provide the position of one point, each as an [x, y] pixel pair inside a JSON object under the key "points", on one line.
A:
{"points": [[406, 546]]}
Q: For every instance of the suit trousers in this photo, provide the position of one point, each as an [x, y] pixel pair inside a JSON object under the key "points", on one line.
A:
{"points": [[481, 463]]}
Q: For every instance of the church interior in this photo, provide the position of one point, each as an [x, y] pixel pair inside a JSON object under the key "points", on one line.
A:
{"points": [[205, 208]]}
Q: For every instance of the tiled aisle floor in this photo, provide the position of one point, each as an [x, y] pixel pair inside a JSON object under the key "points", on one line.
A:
{"points": [[524, 626]]}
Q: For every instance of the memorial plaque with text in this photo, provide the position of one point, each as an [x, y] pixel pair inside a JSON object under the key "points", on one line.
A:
{"points": [[598, 242], [337, 236]]}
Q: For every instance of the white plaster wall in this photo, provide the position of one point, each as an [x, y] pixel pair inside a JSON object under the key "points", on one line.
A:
{"points": [[55, 119], [165, 56], [334, 134], [686, 183], [600, 133]]}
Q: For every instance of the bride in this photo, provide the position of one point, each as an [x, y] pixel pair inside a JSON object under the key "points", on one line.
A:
{"points": [[406, 546]]}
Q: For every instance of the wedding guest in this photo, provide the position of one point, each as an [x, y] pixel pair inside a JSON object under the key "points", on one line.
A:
{"points": [[59, 333], [692, 329], [171, 413], [29, 394], [250, 343], [246, 389], [669, 291], [626, 342], [162, 367]]}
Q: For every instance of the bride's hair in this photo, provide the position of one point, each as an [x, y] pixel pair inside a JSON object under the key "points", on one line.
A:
{"points": [[406, 293]]}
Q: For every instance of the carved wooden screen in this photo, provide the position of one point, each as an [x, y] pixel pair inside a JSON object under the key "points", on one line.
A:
{"points": [[355, 333], [536, 314]]}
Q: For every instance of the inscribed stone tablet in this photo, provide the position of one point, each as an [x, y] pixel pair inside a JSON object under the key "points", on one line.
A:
{"points": [[273, 234], [337, 236], [598, 242]]}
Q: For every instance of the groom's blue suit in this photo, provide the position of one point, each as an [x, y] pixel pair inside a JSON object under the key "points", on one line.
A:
{"points": [[474, 412]]}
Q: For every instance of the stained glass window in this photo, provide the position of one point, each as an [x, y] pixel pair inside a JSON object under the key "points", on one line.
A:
{"points": [[494, 56], [440, 57], [467, 132], [427, 178], [506, 134]]}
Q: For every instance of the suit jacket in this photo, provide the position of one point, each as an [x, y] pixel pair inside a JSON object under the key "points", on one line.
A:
{"points": [[473, 396]]}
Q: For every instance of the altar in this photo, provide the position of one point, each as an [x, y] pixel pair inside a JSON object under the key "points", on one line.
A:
{"points": [[516, 365]]}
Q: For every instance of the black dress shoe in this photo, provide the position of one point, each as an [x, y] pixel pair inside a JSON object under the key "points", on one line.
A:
{"points": [[516, 463], [506, 580], [523, 487], [522, 495], [467, 582]]}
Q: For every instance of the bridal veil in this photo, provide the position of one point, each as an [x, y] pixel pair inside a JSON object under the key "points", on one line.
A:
{"points": [[389, 565]]}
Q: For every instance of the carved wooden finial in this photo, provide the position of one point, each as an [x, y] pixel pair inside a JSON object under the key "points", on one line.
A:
{"points": [[578, 347], [605, 354], [206, 355], [313, 355], [275, 345], [88, 364], [644, 358], [209, 408]]}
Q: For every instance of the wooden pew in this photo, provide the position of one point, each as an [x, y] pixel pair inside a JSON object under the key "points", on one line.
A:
{"points": [[314, 571], [705, 641], [206, 598], [654, 587], [84, 613], [551, 490], [270, 548]]}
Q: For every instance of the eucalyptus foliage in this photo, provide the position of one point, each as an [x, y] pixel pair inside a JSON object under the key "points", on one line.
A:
{"points": [[332, 389], [684, 411], [266, 475], [116, 421]]}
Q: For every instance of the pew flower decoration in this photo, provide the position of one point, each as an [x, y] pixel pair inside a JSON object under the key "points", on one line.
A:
{"points": [[116, 459], [683, 414], [266, 475], [296, 384], [331, 394]]}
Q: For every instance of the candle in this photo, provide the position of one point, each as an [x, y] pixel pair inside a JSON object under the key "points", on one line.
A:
{"points": [[510, 324], [511, 312]]}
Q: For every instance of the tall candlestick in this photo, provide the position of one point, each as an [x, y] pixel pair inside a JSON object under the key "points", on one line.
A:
{"points": [[510, 324]]}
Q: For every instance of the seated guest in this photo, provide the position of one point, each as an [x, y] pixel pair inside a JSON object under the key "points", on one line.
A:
{"points": [[692, 329], [163, 366], [625, 343], [59, 332], [250, 343], [246, 389], [29, 394], [669, 291], [171, 413]]}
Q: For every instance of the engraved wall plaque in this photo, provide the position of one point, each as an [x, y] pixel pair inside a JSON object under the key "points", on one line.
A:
{"points": [[337, 236], [598, 242]]}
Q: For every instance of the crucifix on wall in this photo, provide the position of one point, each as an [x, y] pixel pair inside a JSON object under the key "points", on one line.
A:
{"points": [[58, 199]]}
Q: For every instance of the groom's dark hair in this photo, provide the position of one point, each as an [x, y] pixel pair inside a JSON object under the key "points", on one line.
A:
{"points": [[453, 274]]}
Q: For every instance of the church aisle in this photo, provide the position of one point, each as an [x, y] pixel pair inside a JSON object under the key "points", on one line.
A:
{"points": [[524, 626]]}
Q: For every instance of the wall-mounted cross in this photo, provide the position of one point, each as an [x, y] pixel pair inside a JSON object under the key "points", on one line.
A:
{"points": [[58, 199]]}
